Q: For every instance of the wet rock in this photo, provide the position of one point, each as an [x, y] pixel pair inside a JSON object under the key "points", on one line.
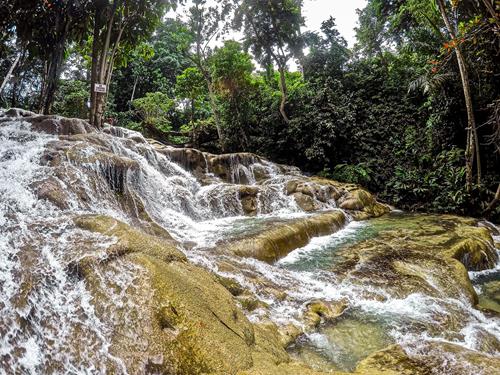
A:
{"points": [[475, 249], [250, 303], [306, 202], [189, 322], [427, 254], [283, 237], [249, 199], [231, 285], [18, 112], [489, 299], [57, 125], [129, 240], [190, 159], [233, 168], [289, 334], [51, 190], [393, 361], [318, 311]]}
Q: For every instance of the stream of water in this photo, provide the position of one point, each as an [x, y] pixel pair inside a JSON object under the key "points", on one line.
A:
{"points": [[43, 306]]}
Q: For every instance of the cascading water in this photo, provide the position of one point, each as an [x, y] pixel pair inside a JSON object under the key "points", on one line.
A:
{"points": [[48, 322]]}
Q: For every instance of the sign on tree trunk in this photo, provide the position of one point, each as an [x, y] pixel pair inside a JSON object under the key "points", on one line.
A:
{"points": [[99, 87]]}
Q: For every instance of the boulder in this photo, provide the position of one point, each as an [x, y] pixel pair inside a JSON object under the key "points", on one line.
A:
{"points": [[318, 311], [433, 259], [306, 202], [50, 189], [58, 125]]}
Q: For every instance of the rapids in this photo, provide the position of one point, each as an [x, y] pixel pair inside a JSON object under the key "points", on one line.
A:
{"points": [[204, 202]]}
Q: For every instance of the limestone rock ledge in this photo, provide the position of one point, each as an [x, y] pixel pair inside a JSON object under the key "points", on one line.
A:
{"points": [[187, 322]]}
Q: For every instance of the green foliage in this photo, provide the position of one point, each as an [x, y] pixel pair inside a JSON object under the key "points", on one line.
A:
{"points": [[153, 109], [438, 188], [190, 84], [231, 69], [71, 99], [356, 174]]}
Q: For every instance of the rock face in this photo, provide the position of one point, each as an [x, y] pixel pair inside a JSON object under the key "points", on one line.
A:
{"points": [[191, 324], [245, 169], [55, 125]]}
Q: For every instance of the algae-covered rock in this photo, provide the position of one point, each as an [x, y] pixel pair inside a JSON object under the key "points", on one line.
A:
{"points": [[283, 237], [489, 299], [306, 202], [393, 361], [427, 254], [129, 240], [317, 311], [50, 189], [187, 321]]}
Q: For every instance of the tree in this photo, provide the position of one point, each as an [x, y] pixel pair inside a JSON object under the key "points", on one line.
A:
{"points": [[472, 148], [191, 85], [45, 28], [153, 110], [118, 28], [272, 31], [231, 70], [153, 66], [205, 24], [328, 54]]}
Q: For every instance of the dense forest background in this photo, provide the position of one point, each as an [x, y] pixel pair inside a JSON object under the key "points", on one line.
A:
{"points": [[412, 111]]}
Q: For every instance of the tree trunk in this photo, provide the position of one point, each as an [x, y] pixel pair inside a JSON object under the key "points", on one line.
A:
{"points": [[213, 103], [101, 51], [493, 204], [9, 73], [53, 74], [95, 61], [136, 80], [284, 94], [472, 148]]}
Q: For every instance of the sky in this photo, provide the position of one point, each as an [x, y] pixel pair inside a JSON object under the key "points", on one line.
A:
{"points": [[344, 12]]}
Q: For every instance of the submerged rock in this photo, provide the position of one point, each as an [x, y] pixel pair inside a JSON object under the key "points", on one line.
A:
{"points": [[428, 254]]}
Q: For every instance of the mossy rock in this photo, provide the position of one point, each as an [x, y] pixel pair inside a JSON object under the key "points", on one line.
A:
{"points": [[283, 237], [129, 240], [392, 361]]}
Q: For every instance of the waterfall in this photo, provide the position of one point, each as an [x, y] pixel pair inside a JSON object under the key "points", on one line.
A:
{"points": [[48, 320]]}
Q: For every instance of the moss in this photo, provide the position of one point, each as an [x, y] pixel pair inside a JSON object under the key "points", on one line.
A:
{"points": [[392, 361]]}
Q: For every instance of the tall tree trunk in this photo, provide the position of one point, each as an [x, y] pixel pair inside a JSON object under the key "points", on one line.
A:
{"points": [[53, 75], [284, 93], [472, 148], [95, 64], [56, 58], [9, 73], [100, 49], [136, 80], [213, 103]]}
